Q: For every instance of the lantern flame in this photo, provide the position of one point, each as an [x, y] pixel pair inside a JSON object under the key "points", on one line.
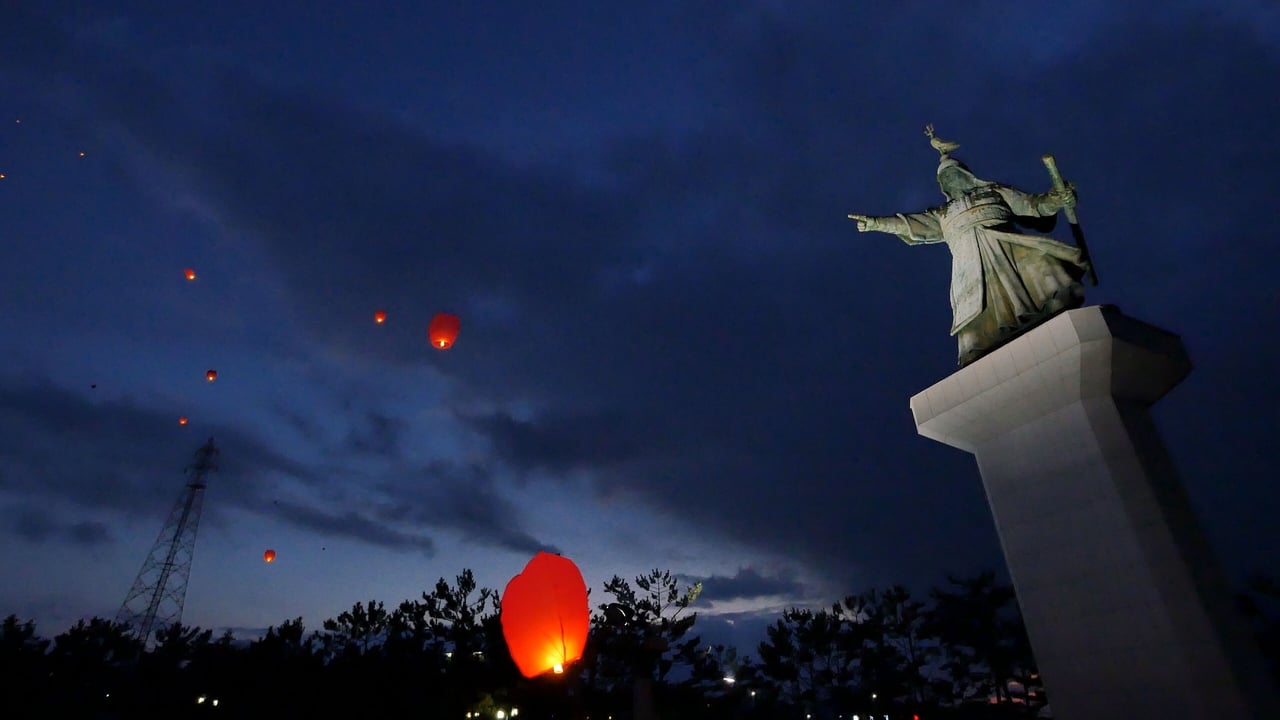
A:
{"points": [[557, 668], [444, 330]]}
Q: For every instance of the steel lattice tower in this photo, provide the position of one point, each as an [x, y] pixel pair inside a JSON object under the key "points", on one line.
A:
{"points": [[158, 593]]}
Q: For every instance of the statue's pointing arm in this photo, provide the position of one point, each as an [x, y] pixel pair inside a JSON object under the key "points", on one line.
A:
{"points": [[914, 228]]}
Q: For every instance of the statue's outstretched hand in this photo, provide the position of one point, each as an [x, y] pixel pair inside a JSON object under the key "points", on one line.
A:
{"points": [[864, 222]]}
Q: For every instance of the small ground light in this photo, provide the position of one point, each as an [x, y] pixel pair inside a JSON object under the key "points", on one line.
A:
{"points": [[200, 700]]}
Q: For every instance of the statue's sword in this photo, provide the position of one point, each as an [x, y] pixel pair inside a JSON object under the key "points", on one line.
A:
{"points": [[1076, 233]]}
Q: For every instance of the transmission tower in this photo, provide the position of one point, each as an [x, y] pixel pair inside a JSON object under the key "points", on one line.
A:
{"points": [[158, 593]]}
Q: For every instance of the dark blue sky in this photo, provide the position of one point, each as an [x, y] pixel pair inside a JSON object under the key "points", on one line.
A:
{"points": [[676, 351]]}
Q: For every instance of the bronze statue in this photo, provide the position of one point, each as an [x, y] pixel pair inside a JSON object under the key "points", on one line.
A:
{"points": [[1003, 280]]}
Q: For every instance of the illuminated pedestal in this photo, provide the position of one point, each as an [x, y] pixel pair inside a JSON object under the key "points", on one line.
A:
{"points": [[1128, 613]]}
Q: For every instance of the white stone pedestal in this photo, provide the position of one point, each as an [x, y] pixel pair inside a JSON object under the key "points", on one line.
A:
{"points": [[1127, 612]]}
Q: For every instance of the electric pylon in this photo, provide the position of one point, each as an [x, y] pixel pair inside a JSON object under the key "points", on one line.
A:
{"points": [[158, 593]]}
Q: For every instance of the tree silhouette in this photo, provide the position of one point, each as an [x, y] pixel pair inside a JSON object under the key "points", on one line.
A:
{"points": [[89, 663], [982, 634], [809, 658], [23, 666]]}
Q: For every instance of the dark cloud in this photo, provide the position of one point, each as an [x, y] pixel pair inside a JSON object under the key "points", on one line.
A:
{"points": [[353, 525], [115, 455], [40, 525], [746, 584], [463, 498], [688, 316], [560, 444], [34, 525], [89, 532], [377, 434], [126, 462]]}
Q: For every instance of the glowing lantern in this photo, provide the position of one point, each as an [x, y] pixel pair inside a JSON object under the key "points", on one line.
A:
{"points": [[443, 330], [269, 556], [182, 421], [545, 615], [211, 375], [191, 274], [380, 316]]}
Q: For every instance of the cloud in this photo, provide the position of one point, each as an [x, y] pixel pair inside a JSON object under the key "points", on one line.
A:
{"points": [[353, 525], [124, 455], [378, 435], [34, 526], [125, 458], [89, 532], [689, 317], [747, 584], [39, 525], [463, 498]]}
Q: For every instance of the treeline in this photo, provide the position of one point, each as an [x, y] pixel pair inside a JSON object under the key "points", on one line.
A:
{"points": [[961, 651]]}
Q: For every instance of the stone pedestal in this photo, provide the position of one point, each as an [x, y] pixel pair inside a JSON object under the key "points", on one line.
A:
{"points": [[1128, 613]]}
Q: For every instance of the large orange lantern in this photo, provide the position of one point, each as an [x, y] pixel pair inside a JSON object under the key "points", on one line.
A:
{"points": [[443, 330], [211, 375], [269, 556], [545, 615]]}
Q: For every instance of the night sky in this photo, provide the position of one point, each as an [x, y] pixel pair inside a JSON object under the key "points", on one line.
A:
{"points": [[676, 351]]}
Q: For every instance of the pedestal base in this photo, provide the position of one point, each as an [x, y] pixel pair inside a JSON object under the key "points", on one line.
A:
{"points": [[1127, 611]]}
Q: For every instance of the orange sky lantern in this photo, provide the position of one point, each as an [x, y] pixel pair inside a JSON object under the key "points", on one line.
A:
{"points": [[380, 316], [444, 330], [211, 375], [182, 421], [545, 615], [191, 274], [269, 556]]}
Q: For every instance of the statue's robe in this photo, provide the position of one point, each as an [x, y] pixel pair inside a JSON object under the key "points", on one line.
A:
{"points": [[1002, 280]]}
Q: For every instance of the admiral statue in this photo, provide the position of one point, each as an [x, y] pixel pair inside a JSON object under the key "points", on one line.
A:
{"points": [[1003, 280]]}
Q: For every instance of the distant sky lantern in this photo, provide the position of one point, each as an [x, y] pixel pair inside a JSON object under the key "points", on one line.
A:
{"points": [[191, 274], [269, 556], [545, 615], [380, 316], [81, 153], [182, 421], [443, 330], [211, 375]]}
